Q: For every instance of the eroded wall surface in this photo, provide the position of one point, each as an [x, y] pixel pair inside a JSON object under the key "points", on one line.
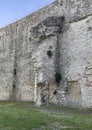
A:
{"points": [[17, 77], [76, 63]]}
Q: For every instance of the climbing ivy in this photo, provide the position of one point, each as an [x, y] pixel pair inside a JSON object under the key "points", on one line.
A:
{"points": [[57, 77], [49, 53]]}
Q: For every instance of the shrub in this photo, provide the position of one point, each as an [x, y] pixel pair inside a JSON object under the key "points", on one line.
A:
{"points": [[49, 53], [57, 77]]}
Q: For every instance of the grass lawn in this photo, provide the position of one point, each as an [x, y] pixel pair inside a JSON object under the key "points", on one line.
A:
{"points": [[25, 116]]}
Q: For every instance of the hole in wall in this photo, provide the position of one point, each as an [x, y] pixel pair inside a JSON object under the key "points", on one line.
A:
{"points": [[55, 92], [15, 72]]}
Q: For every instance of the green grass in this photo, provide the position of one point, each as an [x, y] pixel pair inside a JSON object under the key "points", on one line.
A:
{"points": [[25, 116]]}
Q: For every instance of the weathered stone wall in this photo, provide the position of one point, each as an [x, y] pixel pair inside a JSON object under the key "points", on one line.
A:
{"points": [[63, 27], [76, 54], [16, 54]]}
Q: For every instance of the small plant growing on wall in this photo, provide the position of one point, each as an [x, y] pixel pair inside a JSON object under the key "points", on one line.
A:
{"points": [[14, 86], [57, 77], [49, 53]]}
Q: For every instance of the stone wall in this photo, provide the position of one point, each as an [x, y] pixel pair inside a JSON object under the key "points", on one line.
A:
{"points": [[76, 57], [65, 29], [16, 53]]}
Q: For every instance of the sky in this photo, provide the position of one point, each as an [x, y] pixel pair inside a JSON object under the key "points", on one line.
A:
{"points": [[12, 10]]}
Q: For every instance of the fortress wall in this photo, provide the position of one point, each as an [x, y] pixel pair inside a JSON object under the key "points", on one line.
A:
{"points": [[17, 52], [74, 10], [76, 60], [7, 50]]}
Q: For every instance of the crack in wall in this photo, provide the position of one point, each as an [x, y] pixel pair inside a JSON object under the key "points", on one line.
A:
{"points": [[14, 83]]}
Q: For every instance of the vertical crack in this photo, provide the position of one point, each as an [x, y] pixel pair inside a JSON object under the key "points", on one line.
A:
{"points": [[14, 84]]}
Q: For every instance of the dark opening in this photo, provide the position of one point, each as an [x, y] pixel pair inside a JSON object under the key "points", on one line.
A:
{"points": [[55, 92], [15, 72], [14, 82]]}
